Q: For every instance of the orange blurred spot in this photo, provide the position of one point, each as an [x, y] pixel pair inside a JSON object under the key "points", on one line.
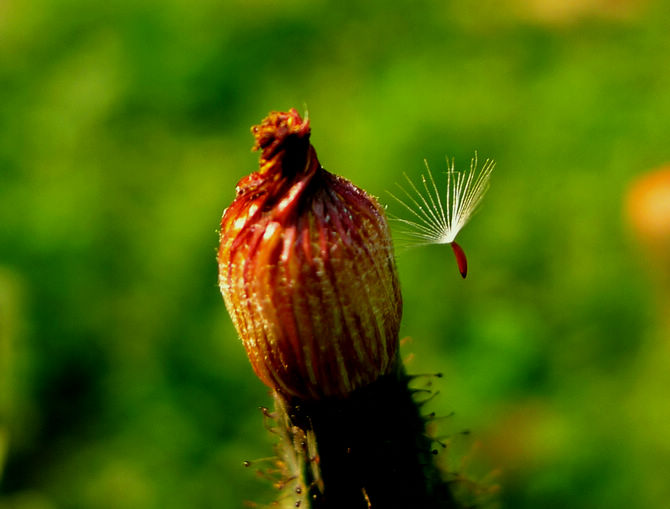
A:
{"points": [[648, 213], [648, 209], [569, 12]]}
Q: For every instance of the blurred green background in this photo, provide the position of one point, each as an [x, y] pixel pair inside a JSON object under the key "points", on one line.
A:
{"points": [[124, 126]]}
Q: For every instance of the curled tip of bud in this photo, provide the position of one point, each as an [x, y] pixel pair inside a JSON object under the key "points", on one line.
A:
{"points": [[278, 129]]}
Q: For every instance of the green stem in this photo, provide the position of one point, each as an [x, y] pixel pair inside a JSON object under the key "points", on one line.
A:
{"points": [[369, 450]]}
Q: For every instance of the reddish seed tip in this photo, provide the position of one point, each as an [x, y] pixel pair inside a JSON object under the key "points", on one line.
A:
{"points": [[461, 260]]}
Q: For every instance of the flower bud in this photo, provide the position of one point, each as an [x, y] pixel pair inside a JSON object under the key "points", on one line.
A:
{"points": [[307, 272]]}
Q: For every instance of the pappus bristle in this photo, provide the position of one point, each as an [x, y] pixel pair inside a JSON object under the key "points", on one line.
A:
{"points": [[437, 218]]}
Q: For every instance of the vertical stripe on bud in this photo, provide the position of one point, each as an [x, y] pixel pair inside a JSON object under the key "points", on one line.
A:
{"points": [[307, 272]]}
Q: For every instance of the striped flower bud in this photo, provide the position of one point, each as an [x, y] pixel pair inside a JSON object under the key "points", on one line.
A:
{"points": [[307, 272]]}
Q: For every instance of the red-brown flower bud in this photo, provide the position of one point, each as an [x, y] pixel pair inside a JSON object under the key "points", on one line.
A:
{"points": [[307, 272]]}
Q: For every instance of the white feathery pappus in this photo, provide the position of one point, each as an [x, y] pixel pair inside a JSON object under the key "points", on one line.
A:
{"points": [[437, 218]]}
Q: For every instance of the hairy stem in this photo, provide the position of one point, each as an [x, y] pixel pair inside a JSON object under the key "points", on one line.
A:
{"points": [[369, 450]]}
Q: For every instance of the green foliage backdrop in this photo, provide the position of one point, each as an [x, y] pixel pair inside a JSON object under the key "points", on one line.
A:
{"points": [[124, 126]]}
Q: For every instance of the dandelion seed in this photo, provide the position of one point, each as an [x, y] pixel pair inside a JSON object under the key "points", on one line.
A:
{"points": [[437, 219]]}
